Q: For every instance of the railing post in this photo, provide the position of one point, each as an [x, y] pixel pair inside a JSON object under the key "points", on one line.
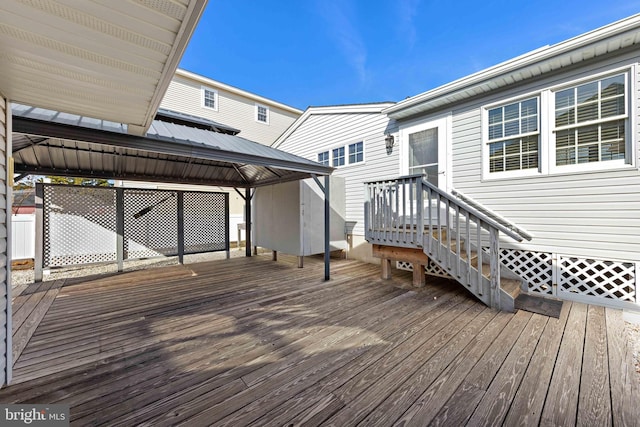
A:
{"points": [[367, 212], [494, 263], [420, 211]]}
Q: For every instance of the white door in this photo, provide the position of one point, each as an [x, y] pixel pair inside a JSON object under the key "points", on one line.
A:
{"points": [[426, 151]]}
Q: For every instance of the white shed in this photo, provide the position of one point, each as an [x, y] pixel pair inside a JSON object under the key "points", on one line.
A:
{"points": [[289, 217]]}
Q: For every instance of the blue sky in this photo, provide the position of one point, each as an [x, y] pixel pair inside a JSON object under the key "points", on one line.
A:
{"points": [[328, 52]]}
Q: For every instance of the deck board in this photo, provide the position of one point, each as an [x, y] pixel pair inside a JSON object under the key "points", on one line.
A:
{"points": [[261, 343], [561, 405]]}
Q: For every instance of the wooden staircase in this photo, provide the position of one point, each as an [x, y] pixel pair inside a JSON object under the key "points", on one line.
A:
{"points": [[411, 213]]}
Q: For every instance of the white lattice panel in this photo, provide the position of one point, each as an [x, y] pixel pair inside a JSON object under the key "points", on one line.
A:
{"points": [[205, 224], [434, 270], [431, 268], [535, 267], [403, 265], [597, 278], [150, 223], [79, 225]]}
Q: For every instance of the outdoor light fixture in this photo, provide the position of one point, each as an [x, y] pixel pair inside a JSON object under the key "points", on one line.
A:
{"points": [[388, 142]]}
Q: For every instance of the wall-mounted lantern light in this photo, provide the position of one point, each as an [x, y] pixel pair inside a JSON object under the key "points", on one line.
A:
{"points": [[388, 142]]}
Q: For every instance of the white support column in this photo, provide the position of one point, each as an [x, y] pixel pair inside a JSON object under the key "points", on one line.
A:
{"points": [[6, 352]]}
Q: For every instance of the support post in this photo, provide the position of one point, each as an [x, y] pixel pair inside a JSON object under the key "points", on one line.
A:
{"points": [[300, 262], [327, 229], [247, 214], [120, 228], [274, 255], [386, 268], [180, 197], [419, 275], [227, 240], [39, 252]]}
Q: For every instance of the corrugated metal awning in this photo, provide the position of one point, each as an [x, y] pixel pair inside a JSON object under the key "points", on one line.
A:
{"points": [[47, 142]]}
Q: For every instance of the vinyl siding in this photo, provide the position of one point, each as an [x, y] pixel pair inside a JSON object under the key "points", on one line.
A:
{"points": [[591, 214], [322, 132], [5, 327], [184, 95]]}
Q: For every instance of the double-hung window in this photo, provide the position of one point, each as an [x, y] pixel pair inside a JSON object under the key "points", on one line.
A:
{"points": [[356, 153], [584, 125], [262, 114], [338, 156], [323, 158], [514, 136], [590, 122], [209, 98]]}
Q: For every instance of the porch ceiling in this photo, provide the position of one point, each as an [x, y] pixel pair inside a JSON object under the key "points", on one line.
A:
{"points": [[107, 59], [47, 142]]}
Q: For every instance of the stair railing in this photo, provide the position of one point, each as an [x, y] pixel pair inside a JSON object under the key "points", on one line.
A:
{"points": [[411, 212]]}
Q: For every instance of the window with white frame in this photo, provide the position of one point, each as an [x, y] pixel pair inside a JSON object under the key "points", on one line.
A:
{"points": [[338, 156], [262, 113], [583, 126], [210, 98], [514, 136], [590, 122], [345, 155], [356, 152], [323, 158]]}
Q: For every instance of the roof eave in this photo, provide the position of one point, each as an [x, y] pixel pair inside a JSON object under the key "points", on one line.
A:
{"points": [[376, 108], [469, 86], [187, 27]]}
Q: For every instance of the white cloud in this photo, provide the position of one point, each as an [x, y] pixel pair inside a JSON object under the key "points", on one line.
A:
{"points": [[407, 10], [340, 26]]}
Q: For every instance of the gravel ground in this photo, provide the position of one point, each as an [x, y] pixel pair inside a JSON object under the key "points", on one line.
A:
{"points": [[23, 277], [20, 277]]}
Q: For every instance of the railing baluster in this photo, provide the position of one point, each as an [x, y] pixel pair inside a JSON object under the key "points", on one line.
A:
{"points": [[396, 216], [457, 210], [439, 229], [411, 224], [430, 227], [468, 245], [404, 212], [479, 254], [447, 231], [420, 213]]}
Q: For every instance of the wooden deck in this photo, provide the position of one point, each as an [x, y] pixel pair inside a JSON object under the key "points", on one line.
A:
{"points": [[256, 342]]}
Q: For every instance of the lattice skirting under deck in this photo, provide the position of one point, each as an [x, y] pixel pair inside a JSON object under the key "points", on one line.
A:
{"points": [[597, 281], [611, 280], [432, 269]]}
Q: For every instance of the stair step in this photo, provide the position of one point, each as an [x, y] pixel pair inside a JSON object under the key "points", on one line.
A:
{"points": [[510, 286], [540, 305]]}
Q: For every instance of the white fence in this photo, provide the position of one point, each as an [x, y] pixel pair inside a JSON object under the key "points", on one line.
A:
{"points": [[23, 237]]}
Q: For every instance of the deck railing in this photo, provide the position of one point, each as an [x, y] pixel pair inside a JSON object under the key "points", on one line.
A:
{"points": [[410, 212]]}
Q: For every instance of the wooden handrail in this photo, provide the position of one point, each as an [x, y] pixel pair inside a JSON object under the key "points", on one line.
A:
{"points": [[411, 212]]}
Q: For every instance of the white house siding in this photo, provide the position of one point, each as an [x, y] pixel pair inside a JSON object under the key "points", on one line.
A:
{"points": [[321, 132], [5, 315], [594, 214], [184, 95]]}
